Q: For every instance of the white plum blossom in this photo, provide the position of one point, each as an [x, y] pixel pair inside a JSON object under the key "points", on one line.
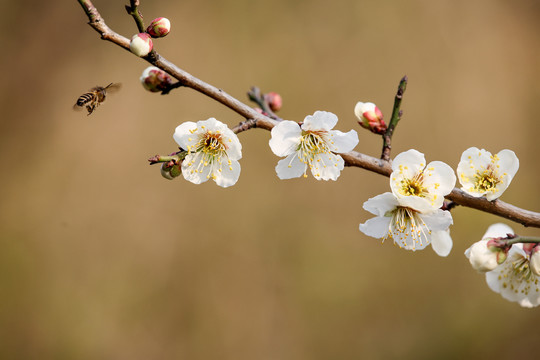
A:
{"points": [[514, 279], [483, 174], [412, 179], [313, 145], [213, 152], [409, 227]]}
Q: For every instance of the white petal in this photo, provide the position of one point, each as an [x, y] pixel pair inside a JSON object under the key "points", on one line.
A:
{"points": [[376, 227], [320, 120], [212, 124], [417, 203], [508, 162], [381, 204], [409, 163], [361, 108], [343, 142], [290, 167], [492, 279], [228, 175], [285, 139], [506, 167], [438, 220], [498, 230], [405, 239], [439, 178], [327, 166], [234, 147], [441, 242], [182, 134], [192, 169]]}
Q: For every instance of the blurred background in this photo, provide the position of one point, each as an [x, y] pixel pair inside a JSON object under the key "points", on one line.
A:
{"points": [[102, 258]]}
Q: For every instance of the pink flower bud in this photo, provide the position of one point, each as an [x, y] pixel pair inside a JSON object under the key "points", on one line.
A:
{"points": [[535, 260], [141, 44], [159, 27], [155, 80], [274, 101], [370, 117]]}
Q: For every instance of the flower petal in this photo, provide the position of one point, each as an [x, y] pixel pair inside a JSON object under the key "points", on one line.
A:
{"points": [[439, 178], [343, 142], [290, 167], [192, 169], [381, 204], [422, 205], [285, 138], [327, 166], [228, 175], [508, 162], [409, 163], [497, 230], [183, 134], [376, 227], [234, 147], [320, 120], [438, 220], [441, 242]]}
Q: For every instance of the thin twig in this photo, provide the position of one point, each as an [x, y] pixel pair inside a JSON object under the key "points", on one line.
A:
{"points": [[133, 10], [396, 116], [255, 95], [257, 120]]}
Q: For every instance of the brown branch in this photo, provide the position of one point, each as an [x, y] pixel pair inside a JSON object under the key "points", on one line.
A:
{"points": [[257, 120]]}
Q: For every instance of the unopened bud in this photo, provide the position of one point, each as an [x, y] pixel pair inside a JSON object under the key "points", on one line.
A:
{"points": [[370, 117], [535, 260], [154, 79], [159, 27], [485, 255], [141, 44], [171, 170], [274, 101]]}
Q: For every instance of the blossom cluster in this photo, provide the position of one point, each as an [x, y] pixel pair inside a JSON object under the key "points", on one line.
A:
{"points": [[511, 270], [412, 214]]}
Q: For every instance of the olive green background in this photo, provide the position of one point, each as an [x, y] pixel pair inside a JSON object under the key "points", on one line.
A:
{"points": [[102, 258]]}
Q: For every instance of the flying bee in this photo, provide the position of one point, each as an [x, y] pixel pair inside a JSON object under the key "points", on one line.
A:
{"points": [[95, 96]]}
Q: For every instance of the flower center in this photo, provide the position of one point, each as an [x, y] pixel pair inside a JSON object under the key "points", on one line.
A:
{"points": [[486, 181], [414, 186], [210, 151], [312, 143], [407, 228]]}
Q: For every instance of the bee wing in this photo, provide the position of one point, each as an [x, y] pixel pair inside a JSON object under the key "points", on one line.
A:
{"points": [[113, 87]]}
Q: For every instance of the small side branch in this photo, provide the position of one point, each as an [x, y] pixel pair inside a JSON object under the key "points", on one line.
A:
{"points": [[133, 10], [255, 95], [396, 116]]}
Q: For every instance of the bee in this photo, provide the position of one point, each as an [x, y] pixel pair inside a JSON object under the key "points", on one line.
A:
{"points": [[95, 96]]}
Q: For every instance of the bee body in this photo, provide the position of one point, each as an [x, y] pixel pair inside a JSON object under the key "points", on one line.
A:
{"points": [[92, 99]]}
